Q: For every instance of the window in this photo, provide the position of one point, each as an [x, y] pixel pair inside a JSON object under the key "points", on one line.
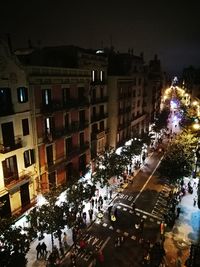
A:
{"points": [[66, 95], [94, 75], [102, 76], [138, 103], [81, 92], [22, 94], [46, 96], [81, 139], [29, 157], [10, 170], [102, 125], [25, 127], [101, 110]]}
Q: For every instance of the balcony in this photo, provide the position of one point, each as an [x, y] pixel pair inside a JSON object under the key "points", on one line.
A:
{"points": [[99, 100], [16, 145], [97, 135], [6, 109], [57, 133], [17, 179], [59, 105], [98, 117], [52, 107], [76, 103], [61, 160]]}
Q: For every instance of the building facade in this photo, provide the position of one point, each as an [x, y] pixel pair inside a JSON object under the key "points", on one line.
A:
{"points": [[18, 174]]}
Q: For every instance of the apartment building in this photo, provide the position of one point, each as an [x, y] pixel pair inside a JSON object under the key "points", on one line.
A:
{"points": [[155, 81], [126, 92], [70, 107], [18, 173]]}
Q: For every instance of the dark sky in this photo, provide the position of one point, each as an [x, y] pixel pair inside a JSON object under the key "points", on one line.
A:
{"points": [[168, 28]]}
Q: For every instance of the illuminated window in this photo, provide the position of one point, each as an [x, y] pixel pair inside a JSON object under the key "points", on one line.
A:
{"points": [[29, 158], [46, 96], [22, 94]]}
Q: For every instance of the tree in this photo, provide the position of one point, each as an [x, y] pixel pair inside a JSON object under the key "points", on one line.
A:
{"points": [[14, 244], [161, 120], [76, 195], [108, 165], [48, 218], [179, 157], [128, 152]]}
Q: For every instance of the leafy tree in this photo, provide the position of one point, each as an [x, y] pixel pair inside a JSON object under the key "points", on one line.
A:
{"points": [[179, 157], [108, 165], [128, 152], [76, 195], [48, 218], [161, 120], [14, 244]]}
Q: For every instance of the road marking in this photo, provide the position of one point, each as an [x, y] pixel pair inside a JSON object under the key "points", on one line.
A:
{"points": [[101, 248], [126, 234], [104, 224], [138, 212], [111, 228], [118, 230], [148, 179], [104, 244]]}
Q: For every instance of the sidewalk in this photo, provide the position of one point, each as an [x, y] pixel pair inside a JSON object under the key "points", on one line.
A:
{"points": [[31, 255], [185, 231]]}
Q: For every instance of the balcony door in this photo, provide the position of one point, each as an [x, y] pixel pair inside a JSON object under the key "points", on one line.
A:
{"points": [[49, 153], [24, 194], [10, 170], [8, 134]]}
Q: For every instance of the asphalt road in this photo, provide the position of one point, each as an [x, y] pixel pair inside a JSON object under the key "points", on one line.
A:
{"points": [[148, 192]]}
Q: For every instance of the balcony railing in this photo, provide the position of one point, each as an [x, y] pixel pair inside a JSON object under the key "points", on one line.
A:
{"points": [[98, 117], [63, 159], [57, 133], [54, 106], [15, 179], [97, 135], [15, 145], [6, 109], [99, 100]]}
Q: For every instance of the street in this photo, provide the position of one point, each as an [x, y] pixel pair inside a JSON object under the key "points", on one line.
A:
{"points": [[148, 192]]}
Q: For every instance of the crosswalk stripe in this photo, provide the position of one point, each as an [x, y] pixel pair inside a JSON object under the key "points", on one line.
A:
{"points": [[111, 228], [118, 230], [105, 224]]}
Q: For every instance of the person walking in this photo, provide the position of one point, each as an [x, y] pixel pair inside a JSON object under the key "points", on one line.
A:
{"points": [[65, 240], [38, 249], [43, 250], [90, 214], [194, 201], [92, 203]]}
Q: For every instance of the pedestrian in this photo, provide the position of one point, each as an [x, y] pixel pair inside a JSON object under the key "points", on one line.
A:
{"points": [[110, 194], [92, 203], [100, 256], [194, 201], [43, 250], [65, 240], [96, 202], [38, 249], [90, 214], [84, 217]]}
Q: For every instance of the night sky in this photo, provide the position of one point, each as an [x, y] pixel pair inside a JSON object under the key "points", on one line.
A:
{"points": [[168, 28]]}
